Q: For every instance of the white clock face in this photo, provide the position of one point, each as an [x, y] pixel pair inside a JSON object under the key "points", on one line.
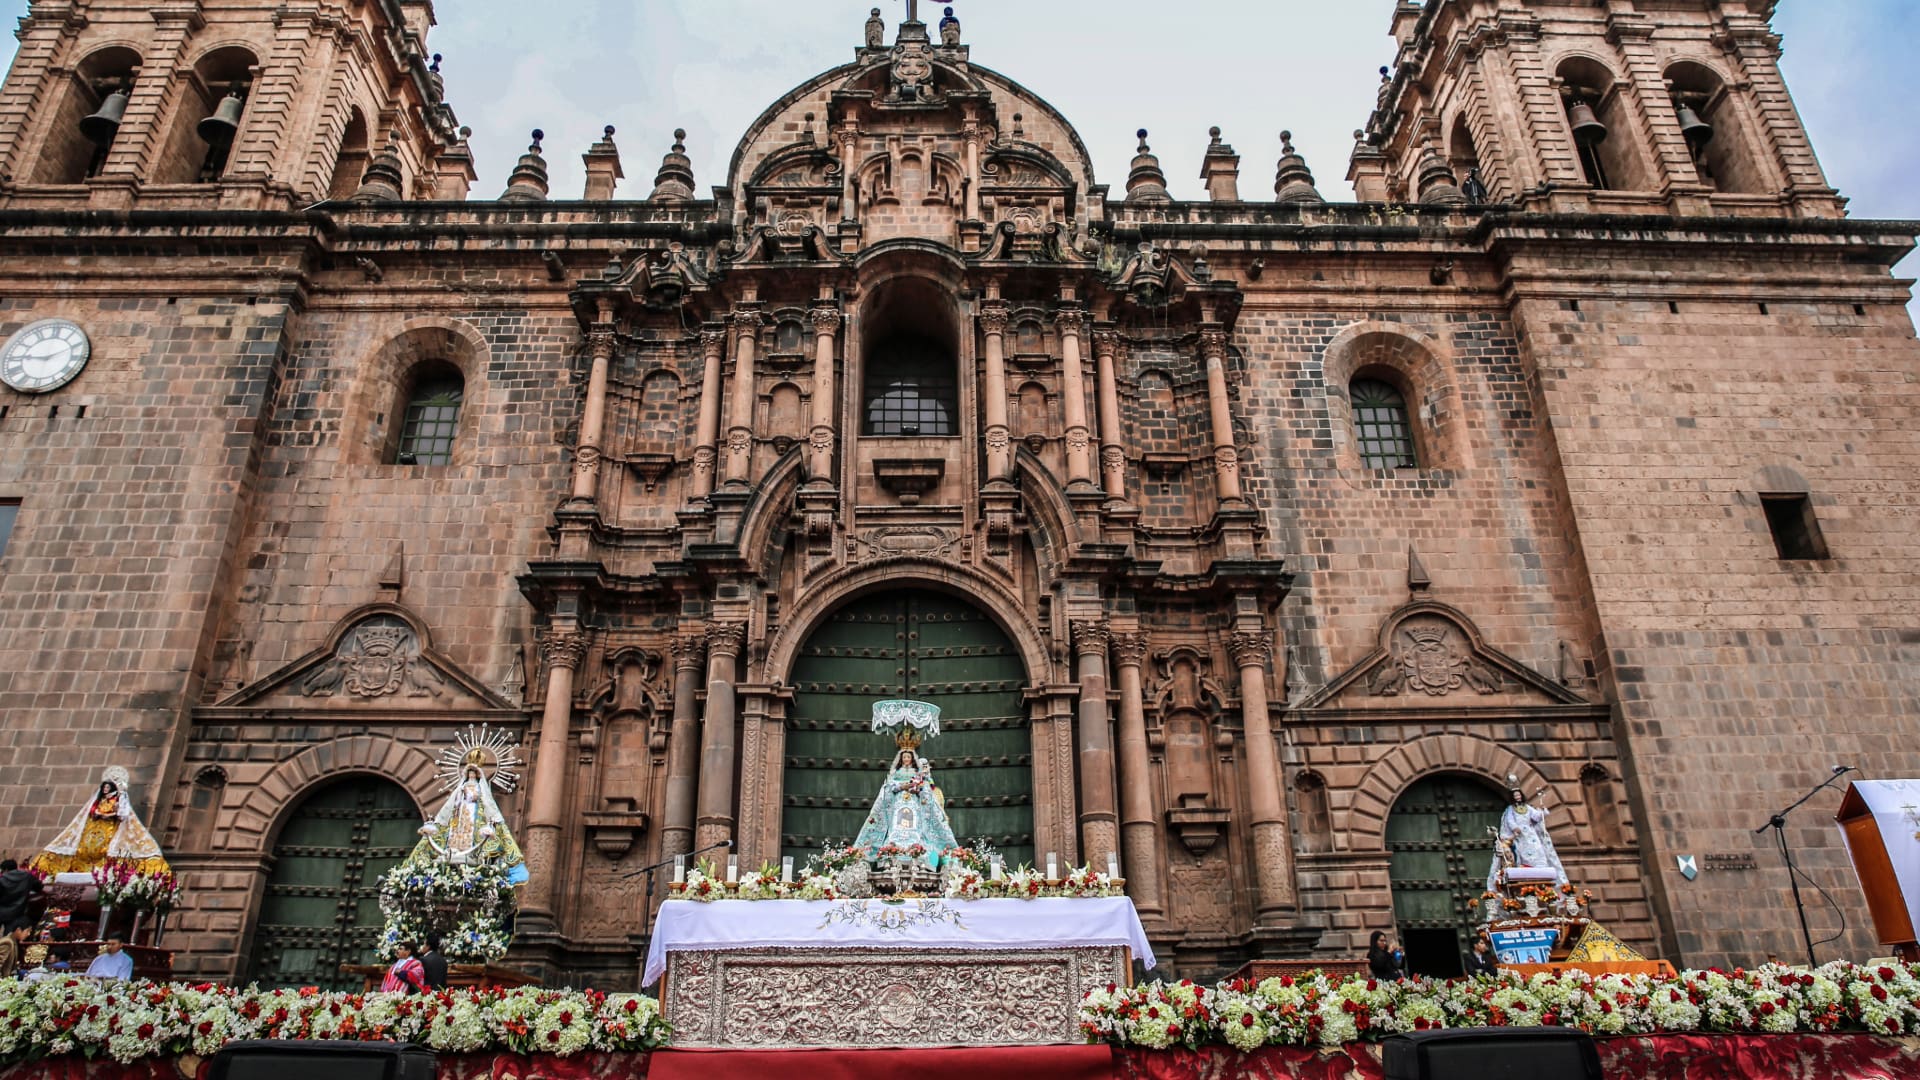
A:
{"points": [[44, 356]]}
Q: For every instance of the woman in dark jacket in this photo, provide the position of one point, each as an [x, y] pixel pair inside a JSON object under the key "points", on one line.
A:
{"points": [[1380, 960]]}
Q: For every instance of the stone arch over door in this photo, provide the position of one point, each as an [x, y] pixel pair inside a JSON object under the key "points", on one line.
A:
{"points": [[1439, 852], [321, 907], [918, 643], [1362, 821]]}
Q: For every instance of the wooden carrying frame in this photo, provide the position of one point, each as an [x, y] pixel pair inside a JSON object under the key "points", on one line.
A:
{"points": [[1886, 901]]}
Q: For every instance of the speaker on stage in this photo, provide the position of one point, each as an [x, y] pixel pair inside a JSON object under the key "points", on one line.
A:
{"points": [[1493, 1054], [321, 1059]]}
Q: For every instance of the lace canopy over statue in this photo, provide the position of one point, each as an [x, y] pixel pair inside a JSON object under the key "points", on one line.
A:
{"points": [[105, 832]]}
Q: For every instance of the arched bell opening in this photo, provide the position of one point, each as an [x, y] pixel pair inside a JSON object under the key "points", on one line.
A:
{"points": [[208, 119], [1604, 136], [350, 167], [1712, 122], [1440, 845], [927, 646], [321, 908], [87, 117]]}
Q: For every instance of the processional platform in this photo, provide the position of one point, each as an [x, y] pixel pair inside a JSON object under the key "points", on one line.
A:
{"points": [[888, 972]]}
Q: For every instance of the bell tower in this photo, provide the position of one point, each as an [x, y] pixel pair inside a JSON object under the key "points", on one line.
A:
{"points": [[165, 104], [1623, 106]]}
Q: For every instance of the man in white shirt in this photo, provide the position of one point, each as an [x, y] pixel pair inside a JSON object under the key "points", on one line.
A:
{"points": [[112, 964]]}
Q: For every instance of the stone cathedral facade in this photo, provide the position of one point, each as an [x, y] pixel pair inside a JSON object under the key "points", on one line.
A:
{"points": [[1261, 541]]}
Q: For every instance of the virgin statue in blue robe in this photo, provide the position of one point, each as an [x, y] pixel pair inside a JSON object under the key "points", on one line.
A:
{"points": [[910, 810]]}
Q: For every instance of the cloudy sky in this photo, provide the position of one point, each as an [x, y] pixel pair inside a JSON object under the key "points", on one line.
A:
{"points": [[1252, 67]]}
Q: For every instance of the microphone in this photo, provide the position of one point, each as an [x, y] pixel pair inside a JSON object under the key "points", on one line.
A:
{"points": [[1838, 769]]}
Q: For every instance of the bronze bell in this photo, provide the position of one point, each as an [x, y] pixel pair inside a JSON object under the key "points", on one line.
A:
{"points": [[220, 128], [103, 125], [1587, 128], [1697, 131]]}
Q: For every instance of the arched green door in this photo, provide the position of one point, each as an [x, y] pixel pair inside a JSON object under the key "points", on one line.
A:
{"points": [[322, 907], [925, 646], [1441, 849]]}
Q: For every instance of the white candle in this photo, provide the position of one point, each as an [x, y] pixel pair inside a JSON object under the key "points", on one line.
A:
{"points": [[786, 869], [679, 869], [1053, 867], [1113, 865], [733, 869], [996, 869]]}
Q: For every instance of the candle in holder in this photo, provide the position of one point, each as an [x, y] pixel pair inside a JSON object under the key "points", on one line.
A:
{"points": [[679, 869], [1053, 867], [786, 869], [733, 869], [996, 870], [1113, 865]]}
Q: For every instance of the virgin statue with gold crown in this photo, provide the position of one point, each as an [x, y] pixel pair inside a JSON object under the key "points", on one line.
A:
{"points": [[106, 834], [909, 817]]}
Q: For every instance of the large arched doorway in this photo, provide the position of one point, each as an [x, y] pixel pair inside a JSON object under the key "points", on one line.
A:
{"points": [[920, 645], [1439, 839], [322, 907]]}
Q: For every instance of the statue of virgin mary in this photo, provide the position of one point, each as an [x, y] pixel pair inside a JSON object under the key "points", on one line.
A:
{"points": [[469, 828], [910, 808], [105, 832]]}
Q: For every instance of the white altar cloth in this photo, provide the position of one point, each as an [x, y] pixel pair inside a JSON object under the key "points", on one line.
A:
{"points": [[930, 923]]}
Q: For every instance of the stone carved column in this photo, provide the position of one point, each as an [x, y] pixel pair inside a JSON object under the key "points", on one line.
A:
{"points": [[849, 139], [993, 324], [593, 418], [1272, 846], [561, 650], [1139, 831], [1099, 832], [715, 822], [706, 438], [134, 157], [826, 325], [740, 413], [1226, 458], [1113, 453], [683, 747], [973, 136], [1072, 323]]}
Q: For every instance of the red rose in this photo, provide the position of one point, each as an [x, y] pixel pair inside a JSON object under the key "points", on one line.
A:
{"points": [[146, 1031], [553, 1036], [1246, 1020], [206, 1027], [1766, 1008], [1886, 973], [1173, 1030], [633, 1006], [566, 1017], [1879, 992], [1893, 1025]]}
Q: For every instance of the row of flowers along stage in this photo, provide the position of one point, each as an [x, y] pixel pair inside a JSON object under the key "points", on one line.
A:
{"points": [[903, 951]]}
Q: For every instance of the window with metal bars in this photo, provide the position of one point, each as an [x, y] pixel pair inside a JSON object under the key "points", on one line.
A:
{"points": [[431, 421], [910, 389], [1382, 425]]}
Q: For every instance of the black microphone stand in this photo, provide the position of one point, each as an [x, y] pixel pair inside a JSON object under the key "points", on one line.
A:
{"points": [[646, 910], [1778, 823]]}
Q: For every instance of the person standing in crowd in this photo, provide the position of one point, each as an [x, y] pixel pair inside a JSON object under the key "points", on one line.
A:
{"points": [[1381, 961], [18, 889], [406, 976], [434, 963], [114, 963], [12, 946], [1481, 960]]}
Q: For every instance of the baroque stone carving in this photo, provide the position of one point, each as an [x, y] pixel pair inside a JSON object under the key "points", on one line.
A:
{"points": [[851, 997], [1090, 636], [378, 658], [876, 30], [1251, 650], [1130, 650], [826, 320], [1432, 655], [993, 319], [689, 651], [562, 648], [726, 638], [911, 78]]}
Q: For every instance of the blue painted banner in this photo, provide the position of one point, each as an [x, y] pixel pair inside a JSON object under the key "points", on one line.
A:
{"points": [[1524, 946]]}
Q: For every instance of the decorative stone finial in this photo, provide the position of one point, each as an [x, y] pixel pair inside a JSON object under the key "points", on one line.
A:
{"points": [[876, 30], [674, 181], [1293, 182], [529, 180], [381, 182], [1437, 184], [1019, 126], [1146, 183], [603, 167], [1220, 169], [949, 29]]}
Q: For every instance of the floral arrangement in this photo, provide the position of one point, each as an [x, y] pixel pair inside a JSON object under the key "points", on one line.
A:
{"points": [[762, 884], [1316, 1010], [833, 859], [467, 905], [131, 1021], [123, 886], [913, 852]]}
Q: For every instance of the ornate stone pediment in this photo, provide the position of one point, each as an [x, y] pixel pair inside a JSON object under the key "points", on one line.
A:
{"points": [[379, 657], [1431, 655]]}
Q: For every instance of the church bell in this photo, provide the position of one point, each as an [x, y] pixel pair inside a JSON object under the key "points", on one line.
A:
{"points": [[1587, 128], [1697, 131], [220, 128], [104, 124]]}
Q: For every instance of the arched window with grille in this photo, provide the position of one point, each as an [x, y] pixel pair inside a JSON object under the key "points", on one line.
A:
{"points": [[910, 389], [1382, 426], [431, 420]]}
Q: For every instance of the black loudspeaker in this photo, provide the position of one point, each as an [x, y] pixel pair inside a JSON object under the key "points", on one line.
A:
{"points": [[321, 1059], [1534, 1053]]}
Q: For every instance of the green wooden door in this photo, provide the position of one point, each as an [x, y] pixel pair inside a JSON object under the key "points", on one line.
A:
{"points": [[322, 907], [928, 647], [1441, 849]]}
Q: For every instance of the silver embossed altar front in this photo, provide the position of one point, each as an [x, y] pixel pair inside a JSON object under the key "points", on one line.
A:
{"points": [[918, 972]]}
